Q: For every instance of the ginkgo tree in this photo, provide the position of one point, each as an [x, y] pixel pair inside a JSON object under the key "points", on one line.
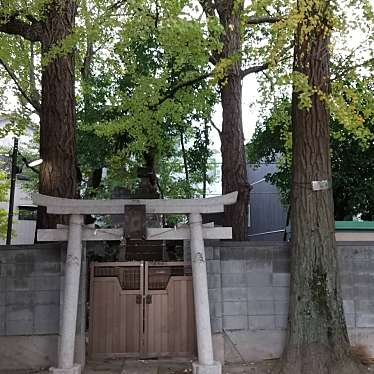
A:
{"points": [[317, 337], [187, 53], [351, 156], [247, 39], [145, 93], [47, 26], [200, 51]]}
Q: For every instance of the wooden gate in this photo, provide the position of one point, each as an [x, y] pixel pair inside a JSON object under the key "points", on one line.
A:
{"points": [[141, 309]]}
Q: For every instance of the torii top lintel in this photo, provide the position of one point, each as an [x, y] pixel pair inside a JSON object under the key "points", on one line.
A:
{"points": [[58, 205]]}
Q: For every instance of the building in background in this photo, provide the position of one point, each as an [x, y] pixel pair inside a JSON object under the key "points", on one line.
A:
{"points": [[267, 215], [24, 214]]}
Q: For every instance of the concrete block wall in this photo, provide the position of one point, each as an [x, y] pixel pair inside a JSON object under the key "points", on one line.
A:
{"points": [[31, 289], [248, 289]]}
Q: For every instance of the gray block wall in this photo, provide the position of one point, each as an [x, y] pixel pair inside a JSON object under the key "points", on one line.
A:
{"points": [[31, 290], [248, 289]]}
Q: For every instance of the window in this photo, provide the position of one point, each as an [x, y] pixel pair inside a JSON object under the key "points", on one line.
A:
{"points": [[27, 213]]}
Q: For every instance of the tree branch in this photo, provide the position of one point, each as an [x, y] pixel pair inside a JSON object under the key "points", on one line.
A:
{"points": [[170, 93], [11, 25], [353, 67], [34, 93], [35, 105], [208, 7], [214, 58], [253, 69], [117, 5], [264, 19], [87, 60], [184, 155], [216, 128], [260, 68]]}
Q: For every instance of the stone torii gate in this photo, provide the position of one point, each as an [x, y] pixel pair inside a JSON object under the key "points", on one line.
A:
{"points": [[76, 232]]}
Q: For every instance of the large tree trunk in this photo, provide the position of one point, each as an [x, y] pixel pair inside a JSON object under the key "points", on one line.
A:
{"points": [[234, 171], [58, 173], [147, 188], [317, 341]]}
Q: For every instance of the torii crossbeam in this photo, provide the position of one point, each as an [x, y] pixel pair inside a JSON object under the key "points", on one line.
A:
{"points": [[76, 232]]}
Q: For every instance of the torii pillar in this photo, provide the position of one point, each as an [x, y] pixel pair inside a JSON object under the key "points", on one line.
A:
{"points": [[206, 363], [76, 232]]}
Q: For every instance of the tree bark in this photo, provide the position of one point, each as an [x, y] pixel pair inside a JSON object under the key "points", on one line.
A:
{"points": [[58, 172], [147, 188], [317, 340], [206, 149], [234, 171], [185, 162], [34, 93]]}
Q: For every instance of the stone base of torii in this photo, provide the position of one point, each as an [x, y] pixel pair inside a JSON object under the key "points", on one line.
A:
{"points": [[76, 232]]}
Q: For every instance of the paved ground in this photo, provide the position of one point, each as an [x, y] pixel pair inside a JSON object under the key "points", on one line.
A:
{"points": [[169, 367], [161, 367], [155, 367]]}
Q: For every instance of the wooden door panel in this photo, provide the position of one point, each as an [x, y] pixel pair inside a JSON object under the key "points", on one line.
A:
{"points": [[122, 293], [156, 325], [130, 324], [116, 317], [181, 317], [170, 322]]}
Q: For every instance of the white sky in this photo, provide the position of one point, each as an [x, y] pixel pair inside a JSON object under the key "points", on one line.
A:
{"points": [[249, 109], [250, 114]]}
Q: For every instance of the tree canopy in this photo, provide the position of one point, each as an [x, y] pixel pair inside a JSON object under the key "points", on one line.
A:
{"points": [[148, 74], [351, 155], [141, 71]]}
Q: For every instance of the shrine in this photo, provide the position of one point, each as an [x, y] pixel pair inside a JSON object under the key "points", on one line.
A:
{"points": [[134, 225]]}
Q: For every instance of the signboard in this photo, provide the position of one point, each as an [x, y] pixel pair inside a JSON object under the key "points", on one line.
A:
{"points": [[134, 225]]}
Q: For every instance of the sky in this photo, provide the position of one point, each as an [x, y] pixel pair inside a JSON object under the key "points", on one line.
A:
{"points": [[250, 113], [249, 108]]}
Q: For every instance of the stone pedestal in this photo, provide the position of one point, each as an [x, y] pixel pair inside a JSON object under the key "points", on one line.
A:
{"points": [[76, 369], [214, 368]]}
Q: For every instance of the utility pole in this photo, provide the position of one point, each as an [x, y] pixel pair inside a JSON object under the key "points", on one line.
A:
{"points": [[12, 190]]}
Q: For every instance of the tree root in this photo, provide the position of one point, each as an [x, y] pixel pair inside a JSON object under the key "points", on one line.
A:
{"points": [[361, 354], [318, 359]]}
